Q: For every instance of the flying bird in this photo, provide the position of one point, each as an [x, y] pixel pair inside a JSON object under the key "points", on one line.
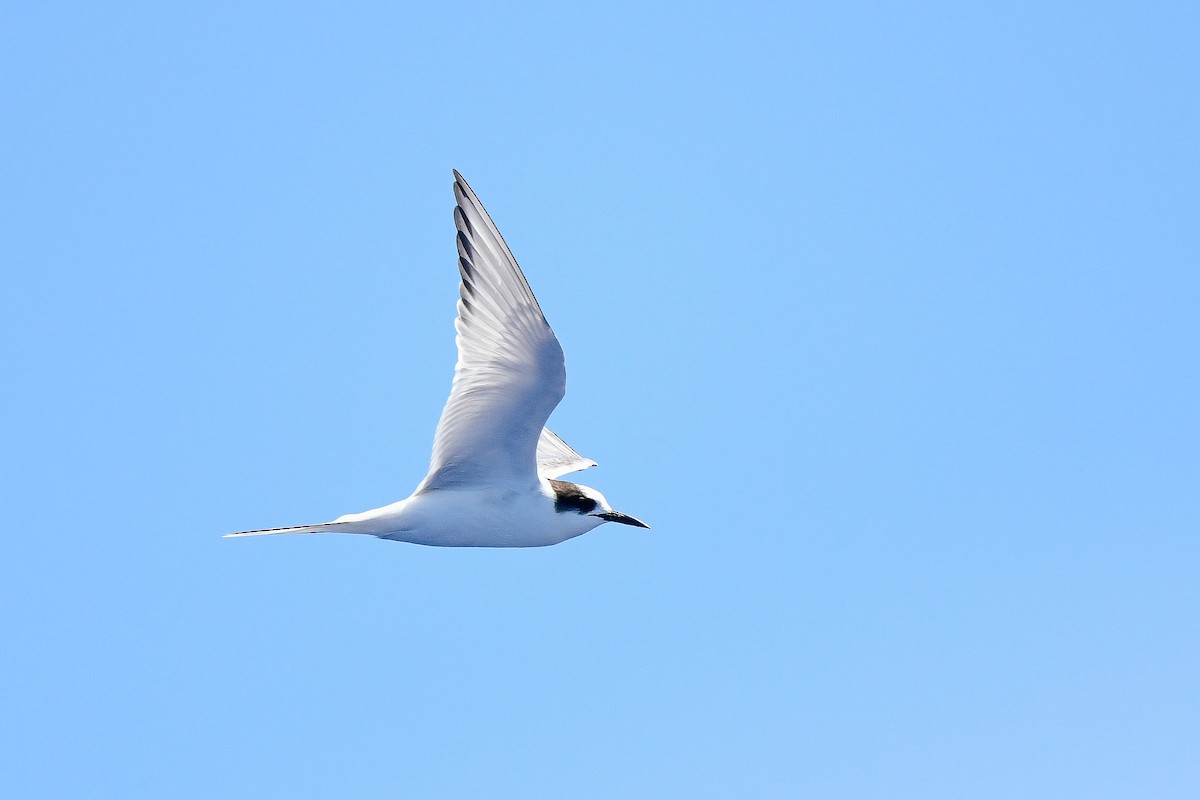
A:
{"points": [[493, 479]]}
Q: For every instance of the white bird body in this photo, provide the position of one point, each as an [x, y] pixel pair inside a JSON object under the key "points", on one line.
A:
{"points": [[495, 516], [491, 479]]}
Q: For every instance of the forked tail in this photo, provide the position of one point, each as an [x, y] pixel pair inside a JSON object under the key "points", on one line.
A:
{"points": [[323, 527]]}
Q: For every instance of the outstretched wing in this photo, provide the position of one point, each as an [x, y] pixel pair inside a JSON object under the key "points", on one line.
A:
{"points": [[555, 457], [510, 372]]}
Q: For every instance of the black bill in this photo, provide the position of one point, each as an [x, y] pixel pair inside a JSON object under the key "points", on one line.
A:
{"points": [[624, 519]]}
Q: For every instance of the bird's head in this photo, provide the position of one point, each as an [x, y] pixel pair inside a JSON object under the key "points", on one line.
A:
{"points": [[574, 498]]}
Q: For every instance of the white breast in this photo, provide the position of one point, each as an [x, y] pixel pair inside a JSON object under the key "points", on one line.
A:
{"points": [[475, 517]]}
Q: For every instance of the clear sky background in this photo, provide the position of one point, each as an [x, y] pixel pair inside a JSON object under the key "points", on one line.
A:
{"points": [[885, 316]]}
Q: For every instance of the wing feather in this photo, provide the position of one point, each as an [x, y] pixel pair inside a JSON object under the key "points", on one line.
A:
{"points": [[510, 373], [555, 457]]}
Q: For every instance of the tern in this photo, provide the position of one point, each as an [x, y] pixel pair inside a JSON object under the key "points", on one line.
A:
{"points": [[492, 480]]}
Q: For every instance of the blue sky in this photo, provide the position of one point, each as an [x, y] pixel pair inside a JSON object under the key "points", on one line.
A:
{"points": [[884, 316]]}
